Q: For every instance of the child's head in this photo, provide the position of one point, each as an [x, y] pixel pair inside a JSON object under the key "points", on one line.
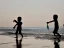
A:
{"points": [[55, 17], [19, 19]]}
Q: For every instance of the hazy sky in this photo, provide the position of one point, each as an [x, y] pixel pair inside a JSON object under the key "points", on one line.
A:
{"points": [[34, 13]]}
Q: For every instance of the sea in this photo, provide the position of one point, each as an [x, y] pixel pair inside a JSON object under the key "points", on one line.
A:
{"points": [[31, 30]]}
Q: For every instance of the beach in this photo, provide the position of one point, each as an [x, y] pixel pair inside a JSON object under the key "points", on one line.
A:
{"points": [[39, 22], [33, 38], [33, 41]]}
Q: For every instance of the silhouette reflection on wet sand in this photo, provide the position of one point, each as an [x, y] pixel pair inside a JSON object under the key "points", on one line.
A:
{"points": [[18, 43], [56, 42]]}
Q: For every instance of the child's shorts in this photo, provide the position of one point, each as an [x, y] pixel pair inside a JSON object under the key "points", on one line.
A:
{"points": [[55, 31]]}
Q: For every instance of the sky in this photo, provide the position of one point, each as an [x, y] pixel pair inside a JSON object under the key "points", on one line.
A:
{"points": [[34, 13]]}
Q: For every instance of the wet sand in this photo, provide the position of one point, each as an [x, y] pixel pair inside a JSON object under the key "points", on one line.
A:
{"points": [[29, 42]]}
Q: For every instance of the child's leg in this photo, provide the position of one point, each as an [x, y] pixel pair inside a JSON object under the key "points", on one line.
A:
{"points": [[54, 32], [16, 33], [58, 34], [20, 33]]}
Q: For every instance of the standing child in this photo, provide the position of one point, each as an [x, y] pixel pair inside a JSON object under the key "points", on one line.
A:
{"points": [[19, 26], [55, 20]]}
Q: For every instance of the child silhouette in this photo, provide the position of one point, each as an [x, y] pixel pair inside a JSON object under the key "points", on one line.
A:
{"points": [[19, 26], [55, 20]]}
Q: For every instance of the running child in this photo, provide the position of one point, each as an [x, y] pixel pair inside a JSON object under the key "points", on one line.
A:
{"points": [[19, 26], [56, 25]]}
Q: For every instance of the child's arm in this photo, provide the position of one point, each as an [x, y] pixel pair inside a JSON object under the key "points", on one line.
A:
{"points": [[50, 21], [14, 21], [14, 26]]}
